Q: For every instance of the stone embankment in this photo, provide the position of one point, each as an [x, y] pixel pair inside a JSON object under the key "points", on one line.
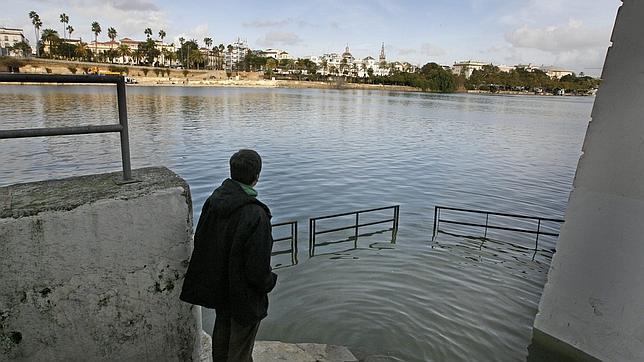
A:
{"points": [[151, 76]]}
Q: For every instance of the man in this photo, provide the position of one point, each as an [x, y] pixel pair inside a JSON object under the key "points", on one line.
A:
{"points": [[230, 267]]}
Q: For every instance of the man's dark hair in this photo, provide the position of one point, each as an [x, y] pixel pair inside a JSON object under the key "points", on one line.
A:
{"points": [[245, 166]]}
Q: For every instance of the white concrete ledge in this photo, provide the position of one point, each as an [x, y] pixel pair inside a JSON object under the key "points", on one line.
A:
{"points": [[91, 270]]}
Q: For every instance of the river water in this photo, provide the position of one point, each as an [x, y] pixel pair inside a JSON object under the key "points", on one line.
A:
{"points": [[328, 151]]}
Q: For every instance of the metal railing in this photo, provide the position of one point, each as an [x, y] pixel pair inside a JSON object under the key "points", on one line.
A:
{"points": [[121, 127], [486, 225], [292, 238], [313, 231]]}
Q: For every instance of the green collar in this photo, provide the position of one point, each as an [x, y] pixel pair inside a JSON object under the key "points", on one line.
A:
{"points": [[249, 190]]}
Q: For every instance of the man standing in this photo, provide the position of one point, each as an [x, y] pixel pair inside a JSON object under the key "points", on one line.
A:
{"points": [[230, 268]]}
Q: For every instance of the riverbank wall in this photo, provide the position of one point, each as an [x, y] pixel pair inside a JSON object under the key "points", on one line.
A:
{"points": [[151, 76], [92, 269]]}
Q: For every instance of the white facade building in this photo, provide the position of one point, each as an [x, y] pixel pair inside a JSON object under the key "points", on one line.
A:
{"points": [[8, 38], [235, 53], [468, 67], [276, 54]]}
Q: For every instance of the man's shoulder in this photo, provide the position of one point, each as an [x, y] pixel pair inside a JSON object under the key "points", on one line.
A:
{"points": [[256, 209]]}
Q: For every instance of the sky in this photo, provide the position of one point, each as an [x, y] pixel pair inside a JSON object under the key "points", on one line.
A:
{"points": [[573, 34]]}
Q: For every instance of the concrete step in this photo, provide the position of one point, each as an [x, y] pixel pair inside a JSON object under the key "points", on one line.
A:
{"points": [[274, 351]]}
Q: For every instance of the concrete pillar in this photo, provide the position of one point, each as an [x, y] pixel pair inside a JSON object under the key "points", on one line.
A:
{"points": [[593, 303], [91, 270]]}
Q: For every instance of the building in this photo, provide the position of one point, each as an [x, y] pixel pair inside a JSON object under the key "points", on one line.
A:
{"points": [[551, 71], [276, 54], [466, 68], [556, 72], [8, 38], [235, 53], [104, 47]]}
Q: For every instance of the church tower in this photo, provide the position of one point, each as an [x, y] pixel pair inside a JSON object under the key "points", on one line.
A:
{"points": [[382, 53]]}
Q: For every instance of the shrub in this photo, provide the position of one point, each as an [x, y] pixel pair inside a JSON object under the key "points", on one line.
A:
{"points": [[85, 69], [145, 71], [158, 71], [48, 70], [72, 69], [185, 73]]}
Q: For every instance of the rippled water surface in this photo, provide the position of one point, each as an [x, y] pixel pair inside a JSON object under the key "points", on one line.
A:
{"points": [[328, 151]]}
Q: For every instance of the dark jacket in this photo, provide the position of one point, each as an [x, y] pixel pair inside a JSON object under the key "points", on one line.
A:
{"points": [[230, 267]]}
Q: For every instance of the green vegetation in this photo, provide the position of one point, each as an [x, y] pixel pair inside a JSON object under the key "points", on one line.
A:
{"points": [[492, 79]]}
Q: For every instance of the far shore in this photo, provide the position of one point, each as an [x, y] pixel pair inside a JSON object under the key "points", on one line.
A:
{"points": [[165, 77]]}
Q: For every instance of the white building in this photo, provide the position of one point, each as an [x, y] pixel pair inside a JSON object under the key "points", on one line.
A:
{"points": [[104, 47], [8, 38], [556, 72], [235, 53], [466, 68], [276, 54]]}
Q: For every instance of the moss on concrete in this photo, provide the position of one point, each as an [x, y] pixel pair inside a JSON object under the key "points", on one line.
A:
{"points": [[30, 199]]}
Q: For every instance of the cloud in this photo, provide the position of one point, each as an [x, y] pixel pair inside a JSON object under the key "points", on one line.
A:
{"points": [[431, 50], [267, 23], [134, 5], [197, 33], [275, 38], [420, 54], [573, 36]]}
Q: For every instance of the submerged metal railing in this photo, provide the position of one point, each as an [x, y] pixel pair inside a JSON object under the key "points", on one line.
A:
{"points": [[313, 231], [486, 225], [121, 127], [292, 238]]}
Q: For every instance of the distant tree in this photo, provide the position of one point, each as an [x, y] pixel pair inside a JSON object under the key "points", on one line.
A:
{"points": [[37, 23], [64, 19], [148, 33], [181, 41], [148, 51], [124, 51], [23, 48], [208, 42], [83, 51], [96, 29], [51, 38], [70, 30], [111, 33], [162, 35]]}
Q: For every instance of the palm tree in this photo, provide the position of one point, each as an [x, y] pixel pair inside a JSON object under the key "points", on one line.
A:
{"points": [[181, 40], [136, 54], [81, 50], [215, 53], [162, 35], [111, 33], [148, 33], [70, 30], [35, 20], [64, 19], [208, 42], [325, 65], [124, 50], [96, 29], [197, 57], [170, 56], [50, 36]]}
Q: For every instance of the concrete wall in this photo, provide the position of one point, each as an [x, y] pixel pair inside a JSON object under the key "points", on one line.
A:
{"points": [[92, 270], [593, 303]]}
